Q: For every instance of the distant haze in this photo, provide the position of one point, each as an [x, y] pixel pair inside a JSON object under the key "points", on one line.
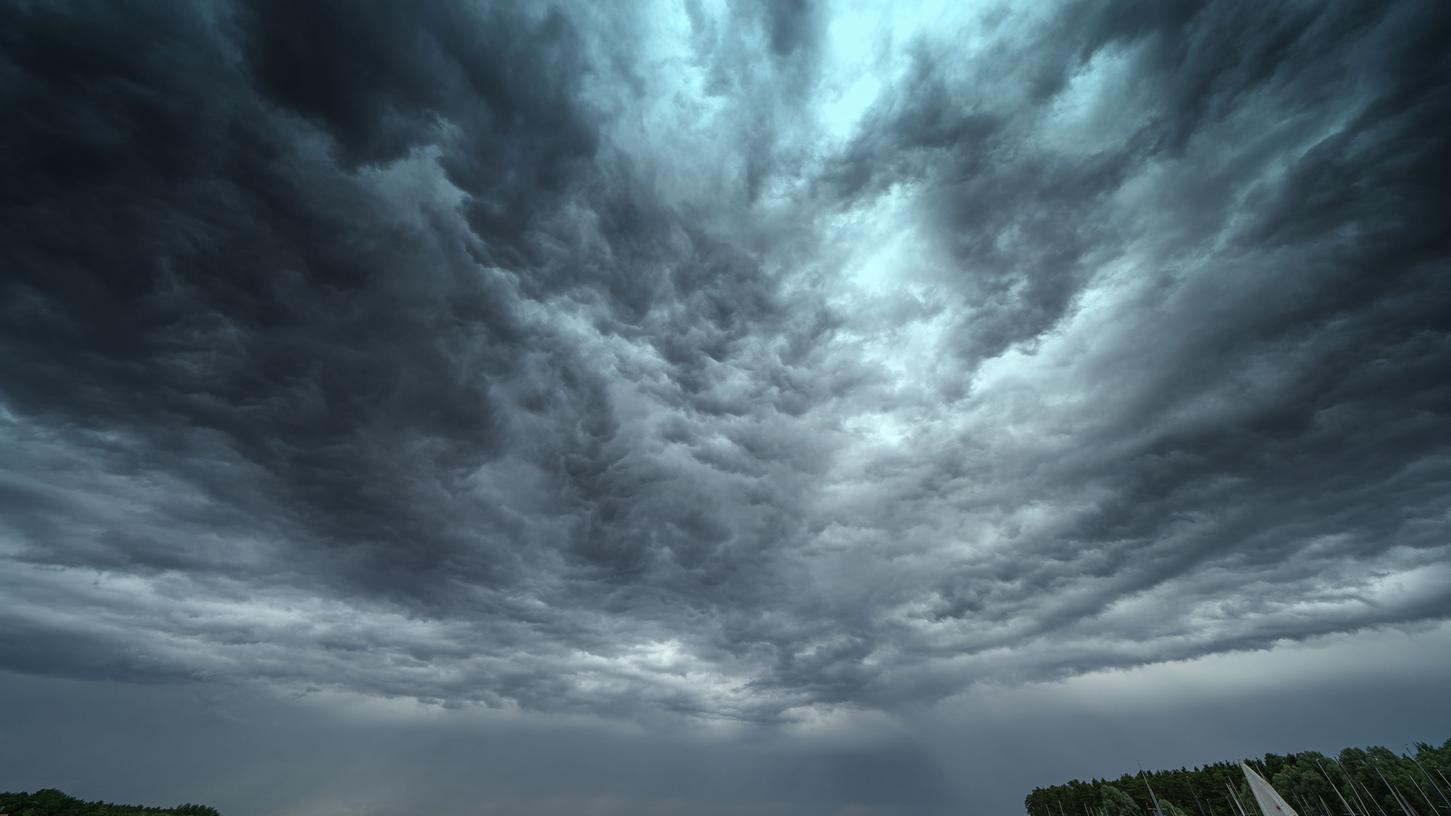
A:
{"points": [[731, 407]]}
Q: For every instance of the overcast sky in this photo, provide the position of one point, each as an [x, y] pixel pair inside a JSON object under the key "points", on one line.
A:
{"points": [[691, 407]]}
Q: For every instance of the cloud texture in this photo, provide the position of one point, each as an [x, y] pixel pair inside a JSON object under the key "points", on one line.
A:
{"points": [[736, 361]]}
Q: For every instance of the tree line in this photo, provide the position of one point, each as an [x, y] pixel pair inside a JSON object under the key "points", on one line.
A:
{"points": [[51, 802], [1372, 781]]}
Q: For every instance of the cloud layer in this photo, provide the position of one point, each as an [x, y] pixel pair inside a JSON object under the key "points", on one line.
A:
{"points": [[735, 361]]}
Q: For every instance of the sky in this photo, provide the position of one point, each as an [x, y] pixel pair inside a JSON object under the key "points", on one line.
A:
{"points": [[690, 407]]}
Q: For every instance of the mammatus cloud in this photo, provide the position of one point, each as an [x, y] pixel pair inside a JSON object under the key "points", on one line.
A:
{"points": [[736, 361]]}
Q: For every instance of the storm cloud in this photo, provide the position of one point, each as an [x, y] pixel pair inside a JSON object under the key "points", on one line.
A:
{"points": [[716, 362]]}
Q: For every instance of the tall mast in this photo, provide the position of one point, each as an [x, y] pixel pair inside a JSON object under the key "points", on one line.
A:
{"points": [[1374, 801], [1395, 794], [1417, 786], [1197, 804], [1234, 799], [1341, 796], [1432, 782], [1443, 777], [1368, 795], [1157, 810]]}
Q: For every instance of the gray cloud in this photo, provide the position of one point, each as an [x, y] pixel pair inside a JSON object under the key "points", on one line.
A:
{"points": [[730, 363]]}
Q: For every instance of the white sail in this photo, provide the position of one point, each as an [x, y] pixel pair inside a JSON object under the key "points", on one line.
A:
{"points": [[1271, 802]]}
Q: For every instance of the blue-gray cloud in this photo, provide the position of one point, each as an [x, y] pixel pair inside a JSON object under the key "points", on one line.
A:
{"points": [[734, 363]]}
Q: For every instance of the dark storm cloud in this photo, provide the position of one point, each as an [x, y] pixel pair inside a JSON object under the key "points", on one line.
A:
{"points": [[233, 279], [1295, 381], [550, 358], [220, 281]]}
